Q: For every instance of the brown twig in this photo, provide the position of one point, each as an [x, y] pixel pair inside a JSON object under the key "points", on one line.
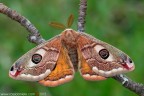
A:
{"points": [[82, 15], [129, 84], [34, 35]]}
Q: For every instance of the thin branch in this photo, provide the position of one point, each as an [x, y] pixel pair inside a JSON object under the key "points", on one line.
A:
{"points": [[129, 84], [34, 35], [82, 15]]}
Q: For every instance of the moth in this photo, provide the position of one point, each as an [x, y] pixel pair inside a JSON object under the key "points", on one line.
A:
{"points": [[55, 61]]}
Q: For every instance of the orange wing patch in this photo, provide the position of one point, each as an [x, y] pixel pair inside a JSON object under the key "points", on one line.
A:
{"points": [[62, 73]]}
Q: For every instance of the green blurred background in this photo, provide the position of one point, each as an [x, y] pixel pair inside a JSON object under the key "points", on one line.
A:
{"points": [[118, 22]]}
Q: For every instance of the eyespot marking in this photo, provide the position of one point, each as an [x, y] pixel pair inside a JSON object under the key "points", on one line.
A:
{"points": [[104, 53], [36, 58]]}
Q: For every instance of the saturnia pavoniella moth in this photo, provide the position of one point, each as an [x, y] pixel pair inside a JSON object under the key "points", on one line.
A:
{"points": [[55, 61]]}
